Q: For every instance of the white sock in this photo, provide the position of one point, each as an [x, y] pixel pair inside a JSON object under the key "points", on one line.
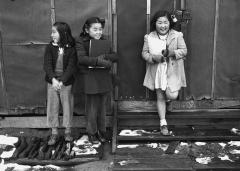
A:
{"points": [[163, 122]]}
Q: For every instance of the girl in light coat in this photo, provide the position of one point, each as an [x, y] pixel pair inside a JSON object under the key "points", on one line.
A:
{"points": [[164, 50]]}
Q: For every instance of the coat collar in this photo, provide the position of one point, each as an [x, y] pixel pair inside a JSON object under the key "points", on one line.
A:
{"points": [[172, 34]]}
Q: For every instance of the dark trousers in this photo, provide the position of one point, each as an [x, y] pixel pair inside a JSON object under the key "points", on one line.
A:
{"points": [[96, 112]]}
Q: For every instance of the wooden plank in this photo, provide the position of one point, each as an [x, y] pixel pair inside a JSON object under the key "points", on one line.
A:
{"points": [[41, 122], [154, 122], [177, 106], [176, 138], [160, 162], [2, 77], [174, 115]]}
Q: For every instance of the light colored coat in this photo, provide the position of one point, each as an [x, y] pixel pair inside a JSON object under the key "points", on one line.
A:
{"points": [[175, 72]]}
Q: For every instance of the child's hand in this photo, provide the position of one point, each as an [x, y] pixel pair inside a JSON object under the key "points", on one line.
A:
{"points": [[104, 63], [165, 52], [60, 84], [171, 53], [101, 57], [157, 58], [55, 84]]}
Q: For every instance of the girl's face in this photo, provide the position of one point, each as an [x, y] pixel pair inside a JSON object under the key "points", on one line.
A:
{"points": [[95, 31], [162, 25], [55, 35]]}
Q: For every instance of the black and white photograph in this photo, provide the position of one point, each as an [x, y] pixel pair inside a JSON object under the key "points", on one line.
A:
{"points": [[119, 85]]}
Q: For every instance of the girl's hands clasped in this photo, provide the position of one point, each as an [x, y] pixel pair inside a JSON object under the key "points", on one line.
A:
{"points": [[56, 84]]}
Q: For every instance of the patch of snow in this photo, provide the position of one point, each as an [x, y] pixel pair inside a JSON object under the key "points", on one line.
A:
{"points": [[38, 167], [225, 157], [152, 145], [96, 145], [184, 144], [204, 160], [7, 154], [85, 151], [83, 140], [128, 146], [176, 151], [234, 143], [163, 146], [8, 140], [122, 163], [234, 151], [200, 143], [18, 167], [128, 132], [222, 144], [235, 131], [54, 167]]}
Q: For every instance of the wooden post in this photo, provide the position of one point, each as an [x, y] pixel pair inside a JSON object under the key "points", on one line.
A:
{"points": [[214, 57], [174, 5], [115, 103], [2, 77], [148, 15], [53, 16], [183, 5]]}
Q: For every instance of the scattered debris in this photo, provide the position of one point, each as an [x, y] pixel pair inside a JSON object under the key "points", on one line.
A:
{"points": [[163, 146], [204, 160], [83, 146], [235, 131], [125, 162], [225, 157]]}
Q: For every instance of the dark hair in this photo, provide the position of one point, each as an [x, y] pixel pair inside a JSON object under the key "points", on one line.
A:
{"points": [[161, 14], [66, 39], [88, 24]]}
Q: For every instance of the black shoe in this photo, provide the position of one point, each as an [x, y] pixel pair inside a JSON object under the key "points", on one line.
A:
{"points": [[18, 143], [34, 151], [20, 148], [93, 139], [42, 150], [57, 149], [101, 137], [31, 143]]}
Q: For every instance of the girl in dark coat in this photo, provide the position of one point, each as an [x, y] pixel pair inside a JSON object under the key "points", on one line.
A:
{"points": [[97, 78], [60, 65]]}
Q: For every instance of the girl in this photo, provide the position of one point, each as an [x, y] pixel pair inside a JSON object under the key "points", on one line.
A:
{"points": [[97, 80], [164, 50], [60, 64]]}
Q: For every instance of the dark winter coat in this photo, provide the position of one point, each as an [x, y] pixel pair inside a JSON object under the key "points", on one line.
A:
{"points": [[93, 80], [69, 64]]}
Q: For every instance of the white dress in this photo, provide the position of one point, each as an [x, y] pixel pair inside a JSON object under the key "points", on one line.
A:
{"points": [[156, 45]]}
